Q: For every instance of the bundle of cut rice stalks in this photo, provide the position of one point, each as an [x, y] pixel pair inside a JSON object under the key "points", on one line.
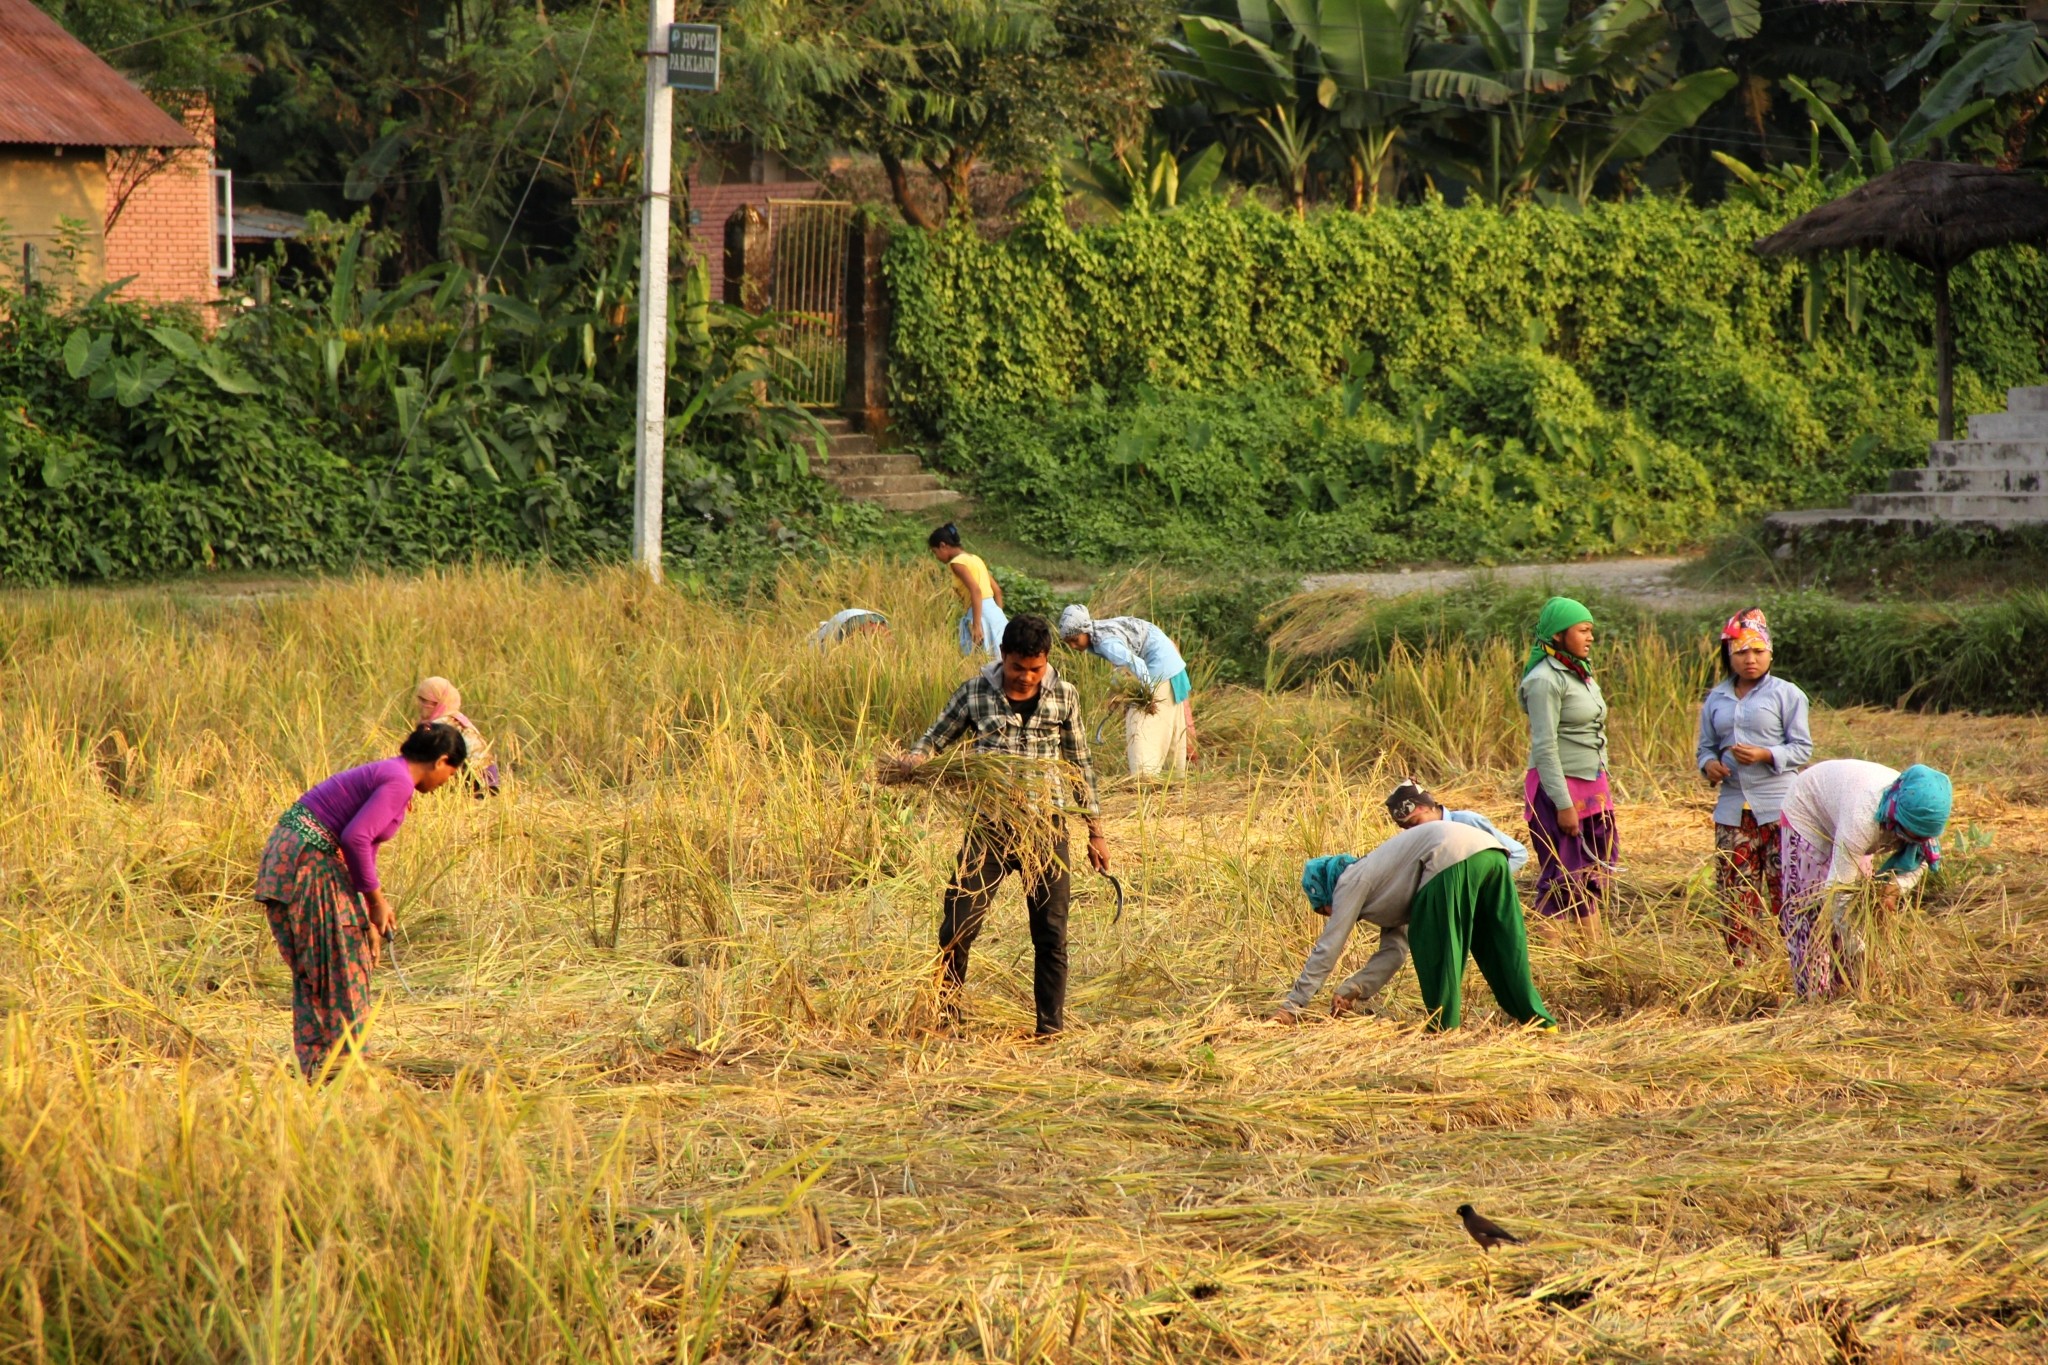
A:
{"points": [[1127, 693], [1021, 799]]}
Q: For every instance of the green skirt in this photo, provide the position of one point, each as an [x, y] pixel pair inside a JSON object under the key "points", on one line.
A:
{"points": [[1472, 907]]}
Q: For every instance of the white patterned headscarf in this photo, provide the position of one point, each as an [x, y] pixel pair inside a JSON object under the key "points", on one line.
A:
{"points": [[1128, 631]]}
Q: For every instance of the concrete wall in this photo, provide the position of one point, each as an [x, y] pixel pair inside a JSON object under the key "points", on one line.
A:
{"points": [[38, 190]]}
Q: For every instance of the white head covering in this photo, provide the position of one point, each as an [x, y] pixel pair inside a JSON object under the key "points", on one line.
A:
{"points": [[1074, 620]]}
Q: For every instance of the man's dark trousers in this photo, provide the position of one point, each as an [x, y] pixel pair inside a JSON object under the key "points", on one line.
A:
{"points": [[989, 854]]}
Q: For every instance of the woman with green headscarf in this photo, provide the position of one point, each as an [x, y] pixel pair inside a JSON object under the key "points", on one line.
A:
{"points": [[1565, 795], [1439, 891]]}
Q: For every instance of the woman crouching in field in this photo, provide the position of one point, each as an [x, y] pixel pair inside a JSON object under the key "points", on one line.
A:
{"points": [[1840, 816], [1566, 798], [318, 885], [1753, 741], [438, 700]]}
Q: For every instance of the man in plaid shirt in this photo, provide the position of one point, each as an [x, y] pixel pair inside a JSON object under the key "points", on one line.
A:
{"points": [[1017, 706]]}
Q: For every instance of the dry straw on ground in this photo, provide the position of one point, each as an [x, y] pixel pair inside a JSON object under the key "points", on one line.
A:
{"points": [[658, 1080]]}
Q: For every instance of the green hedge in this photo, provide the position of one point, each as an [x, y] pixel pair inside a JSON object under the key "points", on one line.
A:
{"points": [[1424, 381]]}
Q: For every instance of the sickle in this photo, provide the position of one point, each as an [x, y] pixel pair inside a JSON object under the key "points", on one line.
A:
{"points": [[1119, 887]]}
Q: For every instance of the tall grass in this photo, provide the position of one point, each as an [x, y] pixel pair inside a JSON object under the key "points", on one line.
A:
{"points": [[654, 1076], [1989, 656]]}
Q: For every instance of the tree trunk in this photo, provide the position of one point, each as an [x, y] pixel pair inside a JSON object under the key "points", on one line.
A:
{"points": [[1358, 183], [1944, 354], [956, 177], [899, 189]]}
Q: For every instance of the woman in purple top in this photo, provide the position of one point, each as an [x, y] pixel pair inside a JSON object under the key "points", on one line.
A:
{"points": [[318, 884]]}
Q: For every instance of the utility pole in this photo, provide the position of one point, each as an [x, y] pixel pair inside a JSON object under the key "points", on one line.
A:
{"points": [[650, 432]]}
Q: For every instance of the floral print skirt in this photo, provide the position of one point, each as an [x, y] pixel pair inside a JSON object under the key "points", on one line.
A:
{"points": [[322, 932], [1749, 878]]}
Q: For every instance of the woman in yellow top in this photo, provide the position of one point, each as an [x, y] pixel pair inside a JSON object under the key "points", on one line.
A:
{"points": [[981, 625]]}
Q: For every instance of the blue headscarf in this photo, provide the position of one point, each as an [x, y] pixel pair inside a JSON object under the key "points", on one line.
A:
{"points": [[1319, 877], [1915, 807]]}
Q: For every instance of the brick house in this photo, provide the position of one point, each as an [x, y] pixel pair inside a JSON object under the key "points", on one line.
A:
{"points": [[97, 182], [726, 179]]}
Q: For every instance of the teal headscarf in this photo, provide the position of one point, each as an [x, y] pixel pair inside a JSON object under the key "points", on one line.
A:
{"points": [[1916, 807], [1559, 614], [1319, 877]]}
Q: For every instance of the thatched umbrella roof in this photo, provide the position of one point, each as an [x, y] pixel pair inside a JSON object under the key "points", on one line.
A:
{"points": [[1935, 214]]}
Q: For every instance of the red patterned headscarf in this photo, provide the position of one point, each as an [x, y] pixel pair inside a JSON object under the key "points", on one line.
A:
{"points": [[1747, 630]]}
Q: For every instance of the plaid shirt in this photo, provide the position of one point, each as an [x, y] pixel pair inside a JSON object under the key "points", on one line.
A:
{"points": [[1055, 731]]}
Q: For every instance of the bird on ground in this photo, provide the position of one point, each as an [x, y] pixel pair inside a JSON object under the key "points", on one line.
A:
{"points": [[1484, 1230]]}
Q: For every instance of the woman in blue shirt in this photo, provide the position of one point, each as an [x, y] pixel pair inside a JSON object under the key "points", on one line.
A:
{"points": [[1155, 741], [1753, 740]]}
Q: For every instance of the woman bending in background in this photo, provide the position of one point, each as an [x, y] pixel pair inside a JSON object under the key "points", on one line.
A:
{"points": [[1839, 818], [1156, 741], [319, 887], [1753, 741], [981, 624], [440, 702]]}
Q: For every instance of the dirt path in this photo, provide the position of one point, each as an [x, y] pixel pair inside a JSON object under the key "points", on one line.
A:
{"points": [[1648, 581]]}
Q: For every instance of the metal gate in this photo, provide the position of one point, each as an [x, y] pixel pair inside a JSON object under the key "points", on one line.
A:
{"points": [[807, 242]]}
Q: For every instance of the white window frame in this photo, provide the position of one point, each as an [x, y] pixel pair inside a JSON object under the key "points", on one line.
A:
{"points": [[223, 224]]}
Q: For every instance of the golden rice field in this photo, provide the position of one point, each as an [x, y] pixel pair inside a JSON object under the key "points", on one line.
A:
{"points": [[655, 1079]]}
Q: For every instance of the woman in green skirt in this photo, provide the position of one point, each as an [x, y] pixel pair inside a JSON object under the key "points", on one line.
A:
{"points": [[318, 885], [1437, 891]]}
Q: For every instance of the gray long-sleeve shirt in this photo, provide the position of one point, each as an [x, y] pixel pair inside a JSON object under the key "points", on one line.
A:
{"points": [[1567, 728], [1379, 889]]}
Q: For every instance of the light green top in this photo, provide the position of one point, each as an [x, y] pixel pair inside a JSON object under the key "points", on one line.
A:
{"points": [[1567, 728]]}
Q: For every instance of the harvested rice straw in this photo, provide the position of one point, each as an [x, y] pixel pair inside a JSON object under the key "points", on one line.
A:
{"points": [[1020, 797], [1127, 693]]}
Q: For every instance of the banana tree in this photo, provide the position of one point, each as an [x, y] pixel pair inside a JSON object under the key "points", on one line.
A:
{"points": [[1574, 95], [2007, 58], [1505, 63], [1360, 51], [1635, 134], [1255, 89], [1289, 76], [1147, 179]]}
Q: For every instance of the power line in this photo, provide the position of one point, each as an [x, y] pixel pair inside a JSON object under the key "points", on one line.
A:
{"points": [[188, 28], [561, 108]]}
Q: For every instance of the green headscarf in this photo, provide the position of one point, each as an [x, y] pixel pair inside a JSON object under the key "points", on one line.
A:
{"points": [[1319, 878], [1559, 614]]}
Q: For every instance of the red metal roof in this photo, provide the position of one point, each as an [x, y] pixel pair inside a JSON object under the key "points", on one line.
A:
{"points": [[56, 93]]}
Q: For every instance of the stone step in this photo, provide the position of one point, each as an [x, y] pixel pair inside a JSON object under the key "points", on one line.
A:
{"points": [[850, 443], [878, 485], [837, 426], [2034, 399], [918, 502], [855, 466], [1821, 523], [1955, 506], [2009, 426], [1971, 479], [2011, 453]]}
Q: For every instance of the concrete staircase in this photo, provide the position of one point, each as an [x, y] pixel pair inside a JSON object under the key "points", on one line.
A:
{"points": [[891, 480], [1997, 478]]}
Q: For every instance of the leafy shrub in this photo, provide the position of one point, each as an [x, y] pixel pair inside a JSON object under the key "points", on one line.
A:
{"points": [[339, 431], [1225, 382]]}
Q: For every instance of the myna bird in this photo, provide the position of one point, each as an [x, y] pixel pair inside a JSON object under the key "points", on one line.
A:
{"points": [[1484, 1230]]}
